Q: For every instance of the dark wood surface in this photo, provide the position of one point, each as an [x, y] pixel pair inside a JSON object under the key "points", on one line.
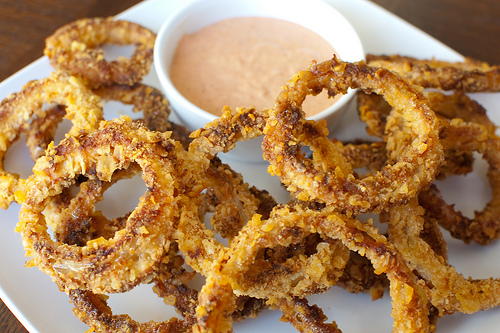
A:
{"points": [[470, 27]]}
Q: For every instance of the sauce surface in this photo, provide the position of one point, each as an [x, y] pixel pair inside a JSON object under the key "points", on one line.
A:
{"points": [[244, 61]]}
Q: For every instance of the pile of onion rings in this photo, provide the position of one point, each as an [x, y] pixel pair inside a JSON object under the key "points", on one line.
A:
{"points": [[199, 218]]}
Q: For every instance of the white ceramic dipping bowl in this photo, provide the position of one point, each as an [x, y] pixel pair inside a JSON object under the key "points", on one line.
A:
{"points": [[316, 15]]}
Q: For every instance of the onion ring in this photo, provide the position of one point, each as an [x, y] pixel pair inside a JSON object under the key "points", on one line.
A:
{"points": [[450, 291], [473, 131], [485, 226], [83, 108], [409, 298], [75, 221], [73, 48], [373, 110], [327, 177], [169, 283], [103, 265], [146, 99], [42, 130], [222, 134], [470, 75], [304, 317], [463, 122], [92, 309]]}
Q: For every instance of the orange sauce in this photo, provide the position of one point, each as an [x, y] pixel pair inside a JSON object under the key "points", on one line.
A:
{"points": [[244, 62]]}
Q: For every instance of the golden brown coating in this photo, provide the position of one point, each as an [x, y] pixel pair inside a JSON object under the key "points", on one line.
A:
{"points": [[74, 48], [484, 227], [449, 291], [286, 225], [171, 283], [358, 276], [103, 265], [146, 99], [304, 317], [222, 134], [465, 128], [414, 150], [83, 108], [463, 122], [233, 202], [373, 110], [365, 154], [470, 75], [75, 221], [93, 310], [42, 130]]}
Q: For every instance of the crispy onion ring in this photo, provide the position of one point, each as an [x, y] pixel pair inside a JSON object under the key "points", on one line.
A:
{"points": [[304, 317], [75, 221], [222, 134], [413, 144], [74, 48], [409, 298], [463, 122], [94, 311], [300, 268], [223, 192], [146, 99], [103, 265], [151, 103], [450, 291], [196, 241], [83, 108], [466, 128], [358, 274], [470, 75], [484, 227], [42, 130], [169, 283], [373, 110]]}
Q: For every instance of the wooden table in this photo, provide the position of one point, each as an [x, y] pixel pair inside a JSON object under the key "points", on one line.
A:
{"points": [[470, 27]]}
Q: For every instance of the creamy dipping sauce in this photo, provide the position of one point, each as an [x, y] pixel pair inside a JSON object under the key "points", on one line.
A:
{"points": [[244, 61]]}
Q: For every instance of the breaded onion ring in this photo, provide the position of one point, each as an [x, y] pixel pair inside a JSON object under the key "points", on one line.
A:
{"points": [[74, 48], [222, 134], [302, 267], [111, 265], [484, 227], [463, 122], [450, 291], [146, 99], [288, 223], [75, 221], [470, 75], [42, 130], [304, 317], [373, 110], [93, 310], [169, 283], [413, 144], [465, 128], [83, 108]]}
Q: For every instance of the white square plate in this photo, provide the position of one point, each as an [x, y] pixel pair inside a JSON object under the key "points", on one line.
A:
{"points": [[37, 303]]}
